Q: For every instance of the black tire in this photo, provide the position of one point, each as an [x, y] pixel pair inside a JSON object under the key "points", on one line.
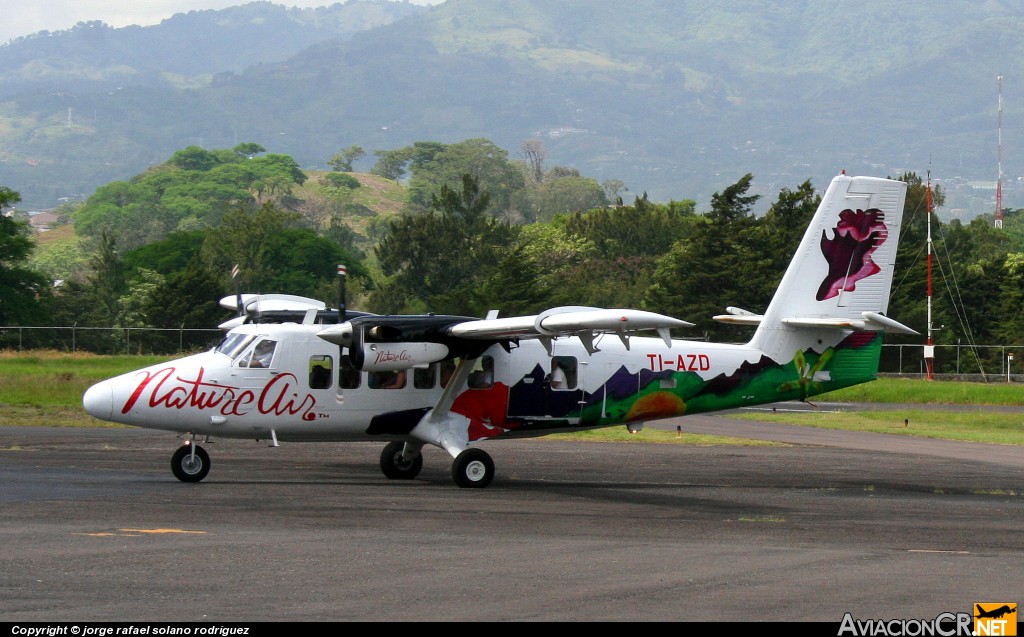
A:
{"points": [[187, 470], [394, 467], [473, 469]]}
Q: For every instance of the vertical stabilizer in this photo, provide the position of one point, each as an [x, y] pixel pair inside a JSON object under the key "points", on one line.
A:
{"points": [[842, 272]]}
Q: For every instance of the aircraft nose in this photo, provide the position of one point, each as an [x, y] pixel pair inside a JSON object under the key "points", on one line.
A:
{"points": [[99, 400]]}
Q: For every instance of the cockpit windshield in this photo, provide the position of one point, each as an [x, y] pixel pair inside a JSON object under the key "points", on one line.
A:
{"points": [[233, 344]]}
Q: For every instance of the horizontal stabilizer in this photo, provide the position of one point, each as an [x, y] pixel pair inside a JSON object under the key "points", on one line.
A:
{"points": [[872, 322], [738, 316]]}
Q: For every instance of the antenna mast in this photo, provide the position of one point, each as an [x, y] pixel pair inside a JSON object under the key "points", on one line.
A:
{"points": [[999, 180], [929, 349]]}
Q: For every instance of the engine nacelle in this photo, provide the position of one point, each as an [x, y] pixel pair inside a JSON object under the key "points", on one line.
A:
{"points": [[388, 343], [385, 357]]}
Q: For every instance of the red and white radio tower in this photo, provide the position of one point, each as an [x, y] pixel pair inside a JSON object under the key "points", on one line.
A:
{"points": [[999, 181]]}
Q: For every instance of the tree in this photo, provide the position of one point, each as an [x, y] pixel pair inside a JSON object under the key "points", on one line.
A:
{"points": [[480, 158], [170, 255], [534, 154], [612, 188], [444, 258], [273, 255], [132, 304], [711, 268], [1011, 324], [641, 229], [775, 238], [248, 150], [188, 298], [194, 158], [243, 239], [106, 283], [390, 163], [563, 194], [23, 292], [191, 191], [342, 162]]}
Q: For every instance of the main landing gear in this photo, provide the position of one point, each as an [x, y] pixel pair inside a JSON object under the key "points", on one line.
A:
{"points": [[190, 463], [398, 465], [471, 469]]}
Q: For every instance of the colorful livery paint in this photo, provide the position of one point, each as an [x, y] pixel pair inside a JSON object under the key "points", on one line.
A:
{"points": [[452, 381]]}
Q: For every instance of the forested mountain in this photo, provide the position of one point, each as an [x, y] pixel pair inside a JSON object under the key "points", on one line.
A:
{"points": [[677, 99], [185, 50]]}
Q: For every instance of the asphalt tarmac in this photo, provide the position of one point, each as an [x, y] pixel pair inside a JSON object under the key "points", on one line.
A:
{"points": [[95, 528]]}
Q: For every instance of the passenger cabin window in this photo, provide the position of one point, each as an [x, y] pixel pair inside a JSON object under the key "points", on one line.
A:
{"points": [[563, 372], [447, 369], [386, 380], [482, 376], [348, 376], [424, 377], [320, 371]]}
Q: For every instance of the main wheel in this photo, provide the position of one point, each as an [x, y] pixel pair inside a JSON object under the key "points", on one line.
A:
{"points": [[188, 468], [395, 467], [473, 469]]}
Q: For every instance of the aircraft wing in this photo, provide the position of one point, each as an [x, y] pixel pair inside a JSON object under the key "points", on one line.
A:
{"points": [[584, 322], [270, 303], [464, 333]]}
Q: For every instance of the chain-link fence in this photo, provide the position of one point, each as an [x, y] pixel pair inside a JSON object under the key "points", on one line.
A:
{"points": [[978, 362], [966, 362], [109, 340]]}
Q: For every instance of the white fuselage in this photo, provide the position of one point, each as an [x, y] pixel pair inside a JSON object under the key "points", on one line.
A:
{"points": [[218, 393]]}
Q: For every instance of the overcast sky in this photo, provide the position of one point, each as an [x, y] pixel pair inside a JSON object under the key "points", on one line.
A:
{"points": [[24, 17]]}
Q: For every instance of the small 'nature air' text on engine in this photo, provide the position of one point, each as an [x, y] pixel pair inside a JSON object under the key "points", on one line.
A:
{"points": [[385, 357]]}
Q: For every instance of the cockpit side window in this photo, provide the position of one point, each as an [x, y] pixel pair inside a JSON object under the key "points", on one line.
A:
{"points": [[262, 355], [234, 344]]}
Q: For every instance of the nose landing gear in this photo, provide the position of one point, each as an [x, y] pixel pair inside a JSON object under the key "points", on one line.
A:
{"points": [[190, 463]]}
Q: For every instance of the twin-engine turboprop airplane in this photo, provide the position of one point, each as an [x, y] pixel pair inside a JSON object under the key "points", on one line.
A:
{"points": [[289, 369]]}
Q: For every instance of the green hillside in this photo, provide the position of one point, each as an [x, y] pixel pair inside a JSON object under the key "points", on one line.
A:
{"points": [[676, 99]]}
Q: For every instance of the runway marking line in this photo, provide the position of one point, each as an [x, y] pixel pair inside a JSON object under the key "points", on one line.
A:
{"points": [[138, 532], [760, 518], [162, 531]]}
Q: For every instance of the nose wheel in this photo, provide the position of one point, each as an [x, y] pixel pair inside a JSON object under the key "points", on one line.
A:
{"points": [[190, 463]]}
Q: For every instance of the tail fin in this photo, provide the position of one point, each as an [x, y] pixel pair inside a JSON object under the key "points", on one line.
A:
{"points": [[841, 275]]}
